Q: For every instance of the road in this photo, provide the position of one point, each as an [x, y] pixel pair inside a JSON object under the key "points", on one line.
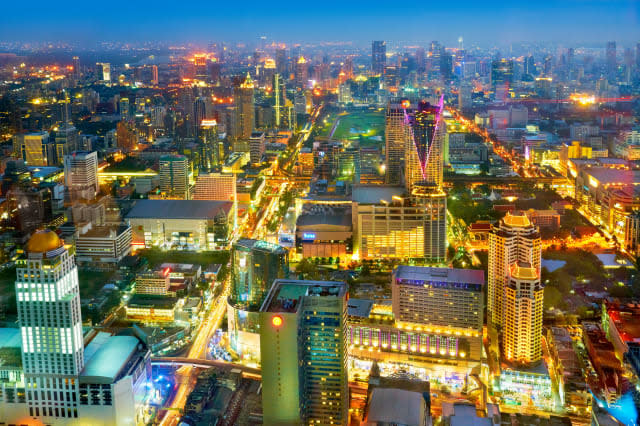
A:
{"points": [[213, 318]]}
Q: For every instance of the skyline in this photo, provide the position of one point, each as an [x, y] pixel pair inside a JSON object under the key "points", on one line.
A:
{"points": [[573, 21]]}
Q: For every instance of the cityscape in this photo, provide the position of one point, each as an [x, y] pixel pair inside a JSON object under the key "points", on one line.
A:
{"points": [[412, 216]]}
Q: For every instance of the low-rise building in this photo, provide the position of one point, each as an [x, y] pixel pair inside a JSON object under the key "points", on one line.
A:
{"points": [[151, 308], [103, 246]]}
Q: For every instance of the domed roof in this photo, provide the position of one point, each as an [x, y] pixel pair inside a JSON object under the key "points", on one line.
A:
{"points": [[43, 241]]}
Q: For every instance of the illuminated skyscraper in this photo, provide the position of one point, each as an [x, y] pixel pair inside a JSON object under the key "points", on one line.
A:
{"points": [[281, 61], [212, 147], [424, 149], [302, 73], [515, 239], [255, 266], [81, 175], [304, 353], [76, 67], [396, 136], [48, 300], [174, 176], [243, 99], [279, 98], [523, 310], [378, 57]]}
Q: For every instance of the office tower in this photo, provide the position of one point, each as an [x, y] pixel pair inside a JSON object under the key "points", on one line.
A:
{"points": [[421, 60], [215, 187], [104, 72], [611, 60], [81, 175], [48, 303], [281, 61], [638, 56], [256, 147], [200, 65], [435, 49], [123, 107], [255, 266], [529, 65], [501, 73], [465, 101], [523, 309], [243, 99], [212, 147], [76, 67], [279, 98], [304, 353], [515, 239], [154, 75], [424, 150], [174, 176], [199, 114], [378, 57], [66, 141], [396, 136], [34, 149], [301, 73]]}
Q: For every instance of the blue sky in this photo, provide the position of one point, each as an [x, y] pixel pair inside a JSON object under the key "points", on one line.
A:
{"points": [[202, 21]]}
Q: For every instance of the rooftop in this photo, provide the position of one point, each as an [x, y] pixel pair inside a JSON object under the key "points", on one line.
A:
{"points": [[179, 209], [285, 295], [372, 194], [396, 406], [452, 275], [359, 307], [523, 271], [516, 219], [108, 358], [43, 241], [607, 175], [259, 245]]}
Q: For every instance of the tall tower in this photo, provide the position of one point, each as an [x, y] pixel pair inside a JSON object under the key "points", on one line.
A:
{"points": [[243, 98], [523, 306], [174, 176], [515, 239], [378, 57], [424, 149], [48, 301], [396, 136], [81, 175], [611, 60], [303, 343], [279, 97]]}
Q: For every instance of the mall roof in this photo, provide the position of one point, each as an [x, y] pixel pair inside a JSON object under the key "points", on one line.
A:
{"points": [[607, 175], [452, 275], [106, 362], [396, 406], [359, 307], [372, 194], [178, 209]]}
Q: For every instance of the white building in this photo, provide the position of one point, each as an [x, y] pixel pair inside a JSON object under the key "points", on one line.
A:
{"points": [[81, 175], [215, 187]]}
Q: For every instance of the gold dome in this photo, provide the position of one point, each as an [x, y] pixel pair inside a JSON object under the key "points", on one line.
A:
{"points": [[43, 241]]}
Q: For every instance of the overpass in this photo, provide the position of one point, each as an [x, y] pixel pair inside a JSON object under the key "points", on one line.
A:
{"points": [[506, 180], [250, 372]]}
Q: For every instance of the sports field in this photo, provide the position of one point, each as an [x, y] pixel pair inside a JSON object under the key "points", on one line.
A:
{"points": [[366, 127]]}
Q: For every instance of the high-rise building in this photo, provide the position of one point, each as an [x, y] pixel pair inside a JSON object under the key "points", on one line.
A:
{"points": [[281, 61], [514, 241], [523, 309], [81, 175], [199, 114], [611, 60], [174, 176], [213, 149], [75, 63], [501, 73], [378, 57], [255, 266], [104, 72], [215, 186], [34, 149], [424, 149], [48, 299], [304, 353], [243, 99], [396, 136], [301, 73], [154, 75], [465, 101], [256, 147], [279, 99]]}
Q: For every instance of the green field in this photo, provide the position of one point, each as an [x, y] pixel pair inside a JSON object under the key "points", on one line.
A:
{"points": [[365, 127]]}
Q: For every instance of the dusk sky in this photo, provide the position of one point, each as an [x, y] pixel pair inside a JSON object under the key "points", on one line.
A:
{"points": [[203, 21]]}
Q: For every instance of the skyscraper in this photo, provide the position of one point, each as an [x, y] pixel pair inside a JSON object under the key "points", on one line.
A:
{"points": [[396, 136], [304, 353], [76, 67], [611, 60], [514, 241], [424, 149], [279, 98], [378, 57], [48, 300], [255, 266], [523, 306], [81, 175], [174, 176], [501, 73], [281, 61], [243, 99], [301, 73], [212, 148]]}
